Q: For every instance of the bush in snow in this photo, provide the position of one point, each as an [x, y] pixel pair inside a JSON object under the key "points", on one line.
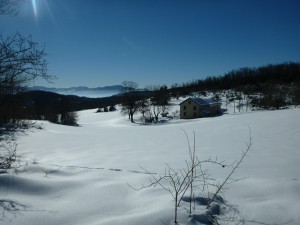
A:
{"points": [[69, 118], [8, 156], [179, 182]]}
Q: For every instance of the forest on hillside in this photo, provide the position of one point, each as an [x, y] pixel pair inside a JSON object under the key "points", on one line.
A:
{"points": [[271, 86]]}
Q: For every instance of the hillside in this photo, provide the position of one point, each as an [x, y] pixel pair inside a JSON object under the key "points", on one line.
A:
{"points": [[264, 88], [80, 175]]}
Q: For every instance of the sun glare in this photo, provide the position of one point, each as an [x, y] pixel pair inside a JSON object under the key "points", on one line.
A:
{"points": [[34, 7]]}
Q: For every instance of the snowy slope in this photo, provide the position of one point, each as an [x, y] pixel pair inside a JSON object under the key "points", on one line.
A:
{"points": [[80, 175]]}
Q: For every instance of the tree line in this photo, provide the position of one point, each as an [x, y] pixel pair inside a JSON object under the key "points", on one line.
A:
{"points": [[283, 73]]}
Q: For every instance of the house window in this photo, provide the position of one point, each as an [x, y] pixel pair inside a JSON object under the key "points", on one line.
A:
{"points": [[195, 107], [189, 102], [184, 107], [184, 113], [195, 114]]}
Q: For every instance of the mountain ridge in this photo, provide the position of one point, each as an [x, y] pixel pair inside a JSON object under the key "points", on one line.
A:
{"points": [[82, 91], [76, 88]]}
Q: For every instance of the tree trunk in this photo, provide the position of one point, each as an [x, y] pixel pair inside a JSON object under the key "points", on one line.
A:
{"points": [[234, 106], [176, 206], [191, 198], [131, 117]]}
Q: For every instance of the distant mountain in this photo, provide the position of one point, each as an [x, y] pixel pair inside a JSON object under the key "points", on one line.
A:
{"points": [[82, 90]]}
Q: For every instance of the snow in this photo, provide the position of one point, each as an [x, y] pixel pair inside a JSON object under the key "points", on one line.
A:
{"points": [[82, 175]]}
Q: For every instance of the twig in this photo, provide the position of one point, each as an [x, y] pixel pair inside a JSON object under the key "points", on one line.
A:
{"points": [[244, 154]]}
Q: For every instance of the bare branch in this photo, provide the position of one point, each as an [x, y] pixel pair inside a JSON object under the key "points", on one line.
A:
{"points": [[8, 156], [21, 61], [244, 154]]}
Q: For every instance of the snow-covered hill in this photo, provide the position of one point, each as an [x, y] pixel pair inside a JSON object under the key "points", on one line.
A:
{"points": [[80, 175]]}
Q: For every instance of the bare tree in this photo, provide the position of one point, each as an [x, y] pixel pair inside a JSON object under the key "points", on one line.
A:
{"points": [[130, 105], [21, 61], [173, 181], [178, 181], [144, 108], [159, 100], [192, 160], [156, 110], [131, 99]]}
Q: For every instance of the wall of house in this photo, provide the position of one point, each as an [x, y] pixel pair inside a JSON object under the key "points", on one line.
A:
{"points": [[215, 109], [189, 110]]}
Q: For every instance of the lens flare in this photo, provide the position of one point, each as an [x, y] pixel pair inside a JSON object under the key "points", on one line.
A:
{"points": [[34, 7]]}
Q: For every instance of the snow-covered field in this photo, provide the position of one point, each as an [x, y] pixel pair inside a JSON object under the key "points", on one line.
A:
{"points": [[80, 175]]}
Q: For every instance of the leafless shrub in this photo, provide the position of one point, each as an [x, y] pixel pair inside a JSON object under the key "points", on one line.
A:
{"points": [[178, 181], [8, 156]]}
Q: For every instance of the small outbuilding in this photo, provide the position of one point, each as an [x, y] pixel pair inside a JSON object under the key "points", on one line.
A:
{"points": [[192, 108]]}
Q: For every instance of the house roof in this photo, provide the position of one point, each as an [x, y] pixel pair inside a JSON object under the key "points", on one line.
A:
{"points": [[203, 101]]}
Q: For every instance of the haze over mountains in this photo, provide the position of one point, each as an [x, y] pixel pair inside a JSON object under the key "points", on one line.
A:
{"points": [[83, 91]]}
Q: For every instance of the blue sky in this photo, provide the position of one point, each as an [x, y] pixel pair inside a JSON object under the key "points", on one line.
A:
{"points": [[104, 42]]}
